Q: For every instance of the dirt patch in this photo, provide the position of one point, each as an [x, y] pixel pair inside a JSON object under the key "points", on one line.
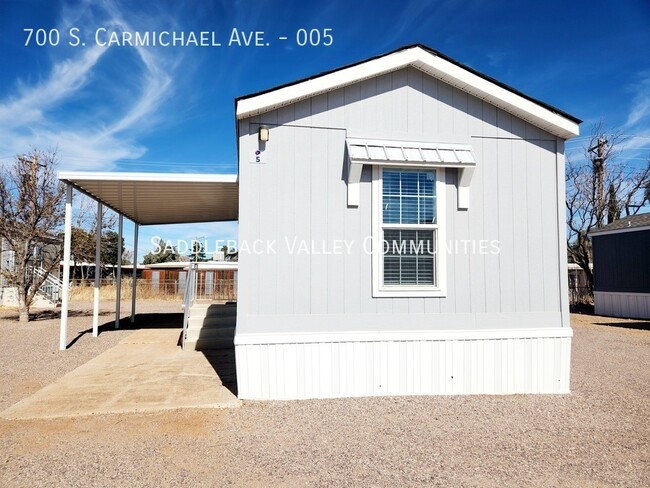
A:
{"points": [[596, 436]]}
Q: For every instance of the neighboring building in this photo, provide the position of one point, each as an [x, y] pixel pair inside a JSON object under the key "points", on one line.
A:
{"points": [[6, 261], [7, 293], [216, 280], [410, 147], [579, 284], [622, 267]]}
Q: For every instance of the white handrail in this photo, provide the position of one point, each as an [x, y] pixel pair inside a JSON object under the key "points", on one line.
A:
{"points": [[51, 285], [189, 297]]}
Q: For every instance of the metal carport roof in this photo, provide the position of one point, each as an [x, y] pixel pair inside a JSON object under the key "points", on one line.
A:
{"points": [[162, 198]]}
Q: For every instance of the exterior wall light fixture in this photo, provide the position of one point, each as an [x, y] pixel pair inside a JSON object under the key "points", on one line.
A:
{"points": [[264, 133]]}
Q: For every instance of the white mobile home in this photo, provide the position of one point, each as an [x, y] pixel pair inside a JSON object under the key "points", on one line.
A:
{"points": [[401, 230], [405, 224]]}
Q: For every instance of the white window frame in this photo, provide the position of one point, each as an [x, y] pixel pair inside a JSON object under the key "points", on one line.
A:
{"points": [[408, 291]]}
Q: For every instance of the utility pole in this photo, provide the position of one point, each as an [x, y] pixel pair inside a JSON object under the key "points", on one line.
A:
{"points": [[598, 163]]}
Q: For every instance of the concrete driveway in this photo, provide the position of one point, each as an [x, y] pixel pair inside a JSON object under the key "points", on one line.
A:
{"points": [[145, 372]]}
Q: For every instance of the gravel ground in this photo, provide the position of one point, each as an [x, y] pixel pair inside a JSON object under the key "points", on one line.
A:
{"points": [[597, 436]]}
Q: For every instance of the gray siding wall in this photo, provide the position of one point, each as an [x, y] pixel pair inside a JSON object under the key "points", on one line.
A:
{"points": [[301, 193]]}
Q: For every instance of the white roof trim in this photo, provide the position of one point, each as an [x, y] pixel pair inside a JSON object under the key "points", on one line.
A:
{"points": [[624, 230], [428, 62], [409, 154], [161, 198], [149, 177]]}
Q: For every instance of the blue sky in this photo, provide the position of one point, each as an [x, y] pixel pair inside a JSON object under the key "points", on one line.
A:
{"points": [[171, 109]]}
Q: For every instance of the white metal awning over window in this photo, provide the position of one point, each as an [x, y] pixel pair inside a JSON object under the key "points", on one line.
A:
{"points": [[412, 154]]}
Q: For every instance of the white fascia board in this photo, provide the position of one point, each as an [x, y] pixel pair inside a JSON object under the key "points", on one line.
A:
{"points": [[293, 93], [497, 95], [429, 63], [74, 176], [618, 231], [401, 336]]}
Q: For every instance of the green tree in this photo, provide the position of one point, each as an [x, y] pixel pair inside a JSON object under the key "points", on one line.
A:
{"points": [[197, 254], [110, 247], [82, 246], [164, 252]]}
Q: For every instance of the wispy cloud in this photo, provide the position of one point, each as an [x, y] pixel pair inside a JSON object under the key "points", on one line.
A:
{"points": [[637, 125], [38, 114], [641, 101]]}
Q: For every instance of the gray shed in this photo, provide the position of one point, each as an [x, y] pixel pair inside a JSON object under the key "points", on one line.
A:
{"points": [[401, 233]]}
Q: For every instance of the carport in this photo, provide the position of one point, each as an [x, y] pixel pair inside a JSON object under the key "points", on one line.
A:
{"points": [[145, 199]]}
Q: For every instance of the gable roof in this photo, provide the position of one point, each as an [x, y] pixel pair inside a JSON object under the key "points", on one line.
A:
{"points": [[429, 61], [625, 224]]}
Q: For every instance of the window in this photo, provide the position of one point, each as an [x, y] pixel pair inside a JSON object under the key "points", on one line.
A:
{"points": [[407, 232]]}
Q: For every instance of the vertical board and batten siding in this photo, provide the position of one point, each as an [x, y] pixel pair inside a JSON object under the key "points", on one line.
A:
{"points": [[300, 193]]}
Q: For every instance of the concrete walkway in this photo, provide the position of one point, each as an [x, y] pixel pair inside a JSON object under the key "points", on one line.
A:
{"points": [[145, 372]]}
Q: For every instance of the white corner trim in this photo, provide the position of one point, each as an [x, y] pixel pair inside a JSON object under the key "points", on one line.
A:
{"points": [[400, 336], [427, 62]]}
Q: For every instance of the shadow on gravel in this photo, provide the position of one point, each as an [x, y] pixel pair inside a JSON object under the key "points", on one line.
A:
{"points": [[582, 309], [56, 314], [221, 360], [49, 314], [640, 325]]}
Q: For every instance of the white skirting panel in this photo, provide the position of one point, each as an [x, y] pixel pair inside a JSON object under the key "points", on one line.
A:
{"points": [[627, 305], [299, 370]]}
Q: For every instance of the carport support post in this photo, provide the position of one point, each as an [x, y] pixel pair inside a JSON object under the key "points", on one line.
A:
{"points": [[118, 298], [63, 333], [98, 256], [135, 270]]}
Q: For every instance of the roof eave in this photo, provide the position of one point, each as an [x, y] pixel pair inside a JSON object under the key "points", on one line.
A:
{"points": [[429, 61]]}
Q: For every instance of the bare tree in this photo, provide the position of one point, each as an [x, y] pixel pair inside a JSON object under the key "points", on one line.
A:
{"points": [[589, 206], [31, 218]]}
